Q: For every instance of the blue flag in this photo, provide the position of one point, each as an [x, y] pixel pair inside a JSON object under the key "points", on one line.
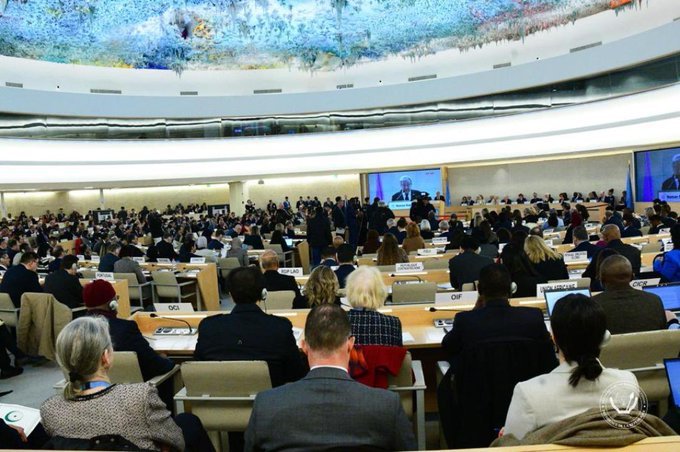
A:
{"points": [[629, 191], [448, 195]]}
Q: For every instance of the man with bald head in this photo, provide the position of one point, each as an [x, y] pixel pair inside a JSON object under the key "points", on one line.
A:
{"points": [[627, 310], [274, 281], [612, 235]]}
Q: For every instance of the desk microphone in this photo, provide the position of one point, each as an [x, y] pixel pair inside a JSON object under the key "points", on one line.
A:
{"points": [[447, 308], [153, 315], [394, 275]]}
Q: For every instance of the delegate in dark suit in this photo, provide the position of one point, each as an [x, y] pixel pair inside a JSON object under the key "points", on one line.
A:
{"points": [[410, 196], [17, 280], [671, 184], [630, 310], [65, 287], [464, 268], [106, 263], [166, 251], [276, 282], [343, 414], [250, 334], [588, 247], [342, 272]]}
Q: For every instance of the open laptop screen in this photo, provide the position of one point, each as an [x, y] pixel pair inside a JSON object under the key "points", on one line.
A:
{"points": [[289, 242], [553, 296], [673, 374], [670, 295]]}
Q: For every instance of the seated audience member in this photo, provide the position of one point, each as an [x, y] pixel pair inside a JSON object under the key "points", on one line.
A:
{"points": [[337, 241], [7, 343], [392, 227], [12, 249], [101, 300], [21, 278], [366, 293], [5, 263], [64, 283], [582, 243], [126, 265], [130, 247], [464, 268], [348, 415], [413, 241], [345, 255], [216, 242], [247, 333], [389, 252], [372, 242], [253, 239], [55, 265], [655, 224], [328, 257], [630, 226], [611, 236], [165, 248], [23, 248], [92, 406], [275, 281], [187, 250], [321, 287], [628, 310], [426, 230], [537, 231], [549, 264], [238, 252], [152, 253], [106, 263], [576, 385], [668, 266], [522, 272], [277, 239]]}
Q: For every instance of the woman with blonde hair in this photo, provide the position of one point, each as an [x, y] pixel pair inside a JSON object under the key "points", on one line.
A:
{"points": [[321, 287], [546, 262], [91, 406], [389, 252], [366, 293], [413, 241]]}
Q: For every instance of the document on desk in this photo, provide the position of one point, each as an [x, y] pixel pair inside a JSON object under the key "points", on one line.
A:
{"points": [[435, 335], [407, 337], [179, 343], [20, 416]]}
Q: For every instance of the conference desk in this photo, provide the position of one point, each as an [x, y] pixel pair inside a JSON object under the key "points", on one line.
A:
{"points": [[439, 276], [595, 209]]}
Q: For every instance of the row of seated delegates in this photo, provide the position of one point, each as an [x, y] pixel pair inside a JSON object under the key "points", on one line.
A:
{"points": [[91, 406], [346, 414], [607, 197]]}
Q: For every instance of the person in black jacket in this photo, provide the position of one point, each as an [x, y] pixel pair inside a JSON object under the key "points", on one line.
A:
{"points": [[21, 278], [318, 234], [338, 214], [275, 282], [100, 299], [254, 239], [582, 243], [612, 235], [110, 258], [164, 248], [64, 283], [465, 267]]}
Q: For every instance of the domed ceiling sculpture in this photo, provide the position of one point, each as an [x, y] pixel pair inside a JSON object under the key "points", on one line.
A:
{"points": [[312, 35]]}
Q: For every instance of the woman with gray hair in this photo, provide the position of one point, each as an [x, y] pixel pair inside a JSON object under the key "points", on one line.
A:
{"points": [[426, 230], [91, 406]]}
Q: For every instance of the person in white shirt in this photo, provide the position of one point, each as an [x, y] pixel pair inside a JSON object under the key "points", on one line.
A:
{"points": [[577, 384]]}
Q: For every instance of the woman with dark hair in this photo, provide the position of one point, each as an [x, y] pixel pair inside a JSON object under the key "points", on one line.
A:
{"points": [[668, 264], [523, 274], [372, 242], [389, 252], [254, 239], [577, 384], [277, 239]]}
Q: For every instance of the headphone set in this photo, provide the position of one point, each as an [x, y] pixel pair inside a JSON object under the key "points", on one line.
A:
{"points": [[113, 304]]}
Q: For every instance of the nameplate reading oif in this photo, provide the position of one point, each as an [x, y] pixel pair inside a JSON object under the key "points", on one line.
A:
{"points": [[469, 296], [106, 276], [409, 267], [540, 288], [291, 271], [640, 283]]}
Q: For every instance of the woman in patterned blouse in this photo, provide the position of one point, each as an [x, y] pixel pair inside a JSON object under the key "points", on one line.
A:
{"points": [[366, 293]]}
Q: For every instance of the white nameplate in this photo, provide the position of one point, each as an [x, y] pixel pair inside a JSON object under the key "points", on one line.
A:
{"points": [[106, 276], [427, 251], [549, 242], [197, 260], [665, 231], [163, 260], [540, 288], [173, 307], [469, 296], [81, 257], [409, 267], [95, 258], [139, 260], [291, 271], [578, 256], [667, 245], [439, 240], [640, 283]]}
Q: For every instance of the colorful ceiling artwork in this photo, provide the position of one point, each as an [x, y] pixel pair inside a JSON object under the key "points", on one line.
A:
{"points": [[313, 35]]}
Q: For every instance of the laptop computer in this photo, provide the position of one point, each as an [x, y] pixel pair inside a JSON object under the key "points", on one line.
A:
{"points": [[553, 296], [669, 294], [289, 242], [673, 374]]}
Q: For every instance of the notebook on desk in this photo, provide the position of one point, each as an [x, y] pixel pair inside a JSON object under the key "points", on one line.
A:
{"points": [[553, 296], [669, 294]]}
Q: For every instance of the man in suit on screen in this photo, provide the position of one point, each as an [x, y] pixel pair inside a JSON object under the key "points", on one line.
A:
{"points": [[346, 414], [673, 182], [406, 193]]}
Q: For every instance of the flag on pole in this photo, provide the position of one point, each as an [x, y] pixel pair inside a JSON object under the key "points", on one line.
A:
{"points": [[629, 191], [448, 195]]}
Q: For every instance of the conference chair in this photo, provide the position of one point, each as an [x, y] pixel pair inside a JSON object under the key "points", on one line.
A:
{"points": [[280, 299], [87, 273], [225, 266], [8, 313], [488, 250], [285, 259], [166, 286], [436, 264], [469, 287], [423, 292], [643, 354], [126, 371], [138, 291], [409, 381], [222, 407], [581, 283], [42, 319]]}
